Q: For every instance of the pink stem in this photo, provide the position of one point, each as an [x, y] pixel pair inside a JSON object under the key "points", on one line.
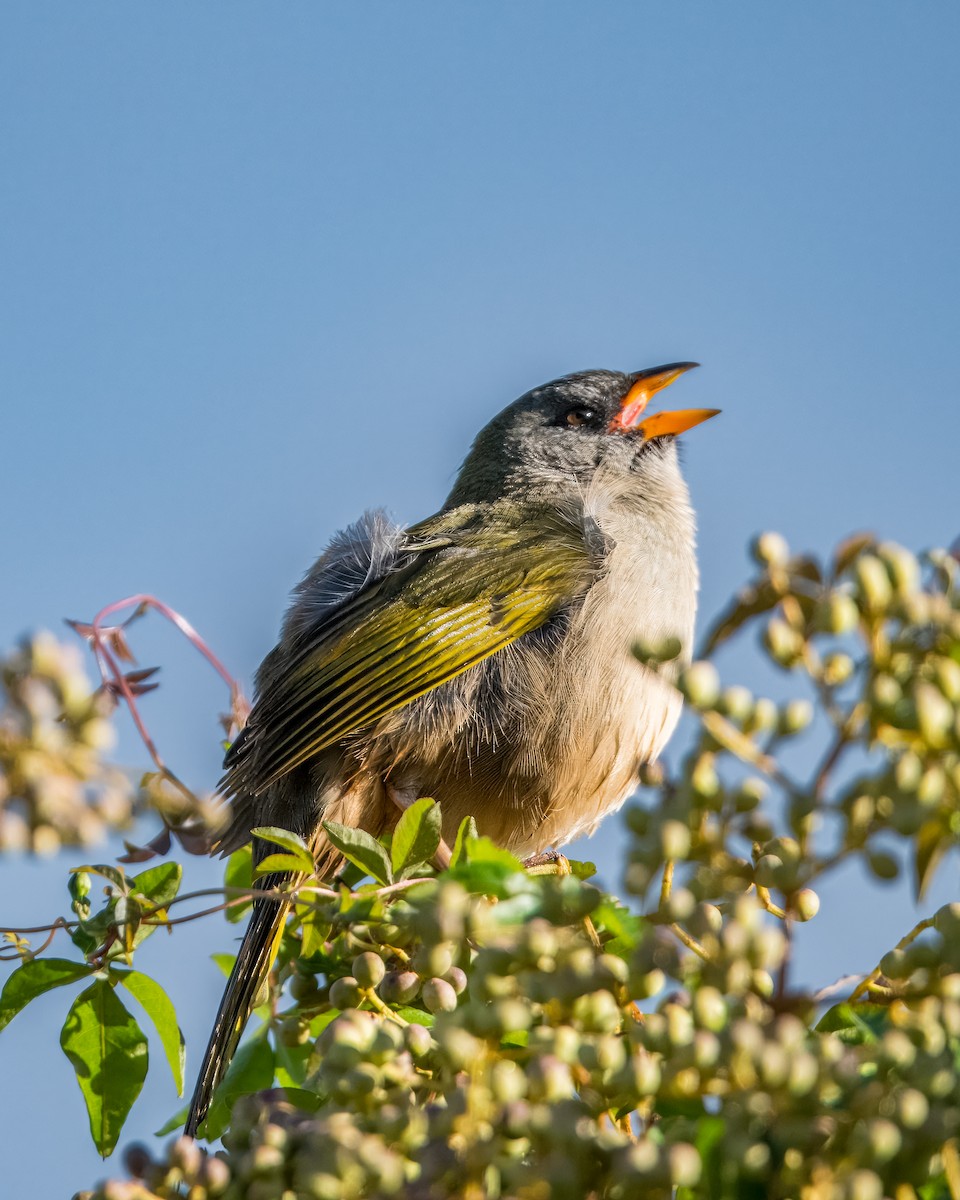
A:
{"points": [[174, 618]]}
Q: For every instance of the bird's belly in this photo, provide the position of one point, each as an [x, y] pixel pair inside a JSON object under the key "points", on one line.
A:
{"points": [[547, 773]]}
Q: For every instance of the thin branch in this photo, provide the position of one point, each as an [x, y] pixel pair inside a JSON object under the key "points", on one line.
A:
{"points": [[116, 682], [869, 982]]}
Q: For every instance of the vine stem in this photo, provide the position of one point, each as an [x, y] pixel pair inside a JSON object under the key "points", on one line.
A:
{"points": [[235, 896], [115, 681]]}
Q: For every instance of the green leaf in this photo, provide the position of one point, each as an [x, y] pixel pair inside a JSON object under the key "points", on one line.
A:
{"points": [[492, 873], [302, 1098], [112, 874], [857, 1024], [239, 874], [250, 1071], [615, 919], [279, 863], [159, 1008], [755, 599], [177, 1121], [415, 1016], [932, 842], [483, 850], [465, 834], [319, 1023], [709, 1141], [35, 977], [109, 1054], [127, 915], [149, 893], [224, 962], [849, 550], [291, 842], [416, 837], [361, 849], [291, 1064], [158, 884]]}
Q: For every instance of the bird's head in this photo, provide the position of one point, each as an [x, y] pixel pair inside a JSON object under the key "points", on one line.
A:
{"points": [[561, 434]]}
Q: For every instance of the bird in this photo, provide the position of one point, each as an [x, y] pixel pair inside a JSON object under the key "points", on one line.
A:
{"points": [[481, 657]]}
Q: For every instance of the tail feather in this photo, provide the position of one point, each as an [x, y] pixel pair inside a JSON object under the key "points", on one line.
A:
{"points": [[254, 960]]}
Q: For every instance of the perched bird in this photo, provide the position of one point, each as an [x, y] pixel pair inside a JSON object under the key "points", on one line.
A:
{"points": [[481, 657]]}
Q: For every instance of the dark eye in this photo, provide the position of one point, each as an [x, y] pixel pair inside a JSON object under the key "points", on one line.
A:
{"points": [[579, 416]]}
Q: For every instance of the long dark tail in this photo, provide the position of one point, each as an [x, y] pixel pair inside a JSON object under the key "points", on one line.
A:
{"points": [[254, 960]]}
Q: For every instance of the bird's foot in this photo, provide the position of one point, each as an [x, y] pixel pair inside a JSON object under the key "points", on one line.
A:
{"points": [[551, 862]]}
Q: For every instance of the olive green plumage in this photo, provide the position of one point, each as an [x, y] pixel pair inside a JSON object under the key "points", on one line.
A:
{"points": [[481, 657]]}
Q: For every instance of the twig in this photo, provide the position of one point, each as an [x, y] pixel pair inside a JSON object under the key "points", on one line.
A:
{"points": [[108, 643], [869, 981]]}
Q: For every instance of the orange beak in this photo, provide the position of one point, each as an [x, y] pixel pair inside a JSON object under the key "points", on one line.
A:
{"points": [[646, 385]]}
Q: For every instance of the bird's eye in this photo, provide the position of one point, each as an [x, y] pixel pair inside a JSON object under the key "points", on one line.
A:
{"points": [[580, 416]]}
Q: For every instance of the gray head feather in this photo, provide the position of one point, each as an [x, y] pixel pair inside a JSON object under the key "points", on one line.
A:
{"points": [[531, 450]]}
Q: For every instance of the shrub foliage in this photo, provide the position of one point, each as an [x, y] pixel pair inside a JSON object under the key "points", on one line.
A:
{"points": [[491, 1031]]}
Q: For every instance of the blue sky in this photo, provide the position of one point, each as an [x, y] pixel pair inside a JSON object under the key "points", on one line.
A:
{"points": [[265, 266]]}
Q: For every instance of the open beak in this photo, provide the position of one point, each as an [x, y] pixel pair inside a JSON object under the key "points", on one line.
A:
{"points": [[646, 385]]}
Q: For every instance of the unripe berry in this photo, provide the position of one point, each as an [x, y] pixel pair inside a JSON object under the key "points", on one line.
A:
{"points": [[439, 996], [345, 993], [418, 1040], [457, 980], [934, 713], [368, 969], [873, 583], [902, 567], [783, 643], [685, 1165], [674, 840], [770, 549], [700, 684], [795, 716], [806, 904], [883, 865], [398, 987], [837, 669], [838, 614], [736, 703]]}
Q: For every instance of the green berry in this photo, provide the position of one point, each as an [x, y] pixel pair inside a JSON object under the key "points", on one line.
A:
{"points": [[368, 969]]}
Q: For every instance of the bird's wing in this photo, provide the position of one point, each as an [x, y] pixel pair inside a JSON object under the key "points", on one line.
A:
{"points": [[459, 593]]}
